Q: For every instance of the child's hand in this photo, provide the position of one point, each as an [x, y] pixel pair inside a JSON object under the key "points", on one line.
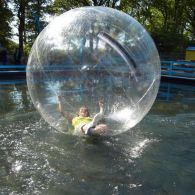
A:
{"points": [[60, 97], [101, 104]]}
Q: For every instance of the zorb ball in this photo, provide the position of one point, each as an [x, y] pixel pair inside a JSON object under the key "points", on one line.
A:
{"points": [[91, 54]]}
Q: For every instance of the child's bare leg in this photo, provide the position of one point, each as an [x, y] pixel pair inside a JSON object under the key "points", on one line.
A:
{"points": [[99, 129], [94, 122], [97, 118]]}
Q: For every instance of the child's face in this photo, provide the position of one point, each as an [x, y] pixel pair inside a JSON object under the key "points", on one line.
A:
{"points": [[83, 112]]}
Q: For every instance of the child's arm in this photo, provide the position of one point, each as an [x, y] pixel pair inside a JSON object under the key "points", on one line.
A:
{"points": [[67, 115], [101, 105]]}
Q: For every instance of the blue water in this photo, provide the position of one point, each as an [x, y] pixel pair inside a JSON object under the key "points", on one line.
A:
{"points": [[155, 157]]}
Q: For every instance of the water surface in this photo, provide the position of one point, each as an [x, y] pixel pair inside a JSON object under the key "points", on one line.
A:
{"points": [[155, 157]]}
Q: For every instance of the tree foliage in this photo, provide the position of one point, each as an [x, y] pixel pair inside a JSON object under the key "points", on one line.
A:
{"points": [[30, 21], [170, 22], [35, 21], [60, 6], [5, 19]]}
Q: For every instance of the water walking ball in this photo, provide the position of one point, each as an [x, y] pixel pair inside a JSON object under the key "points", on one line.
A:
{"points": [[90, 54]]}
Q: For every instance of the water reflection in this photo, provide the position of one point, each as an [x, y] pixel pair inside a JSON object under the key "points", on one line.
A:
{"points": [[172, 98], [14, 97], [177, 92]]}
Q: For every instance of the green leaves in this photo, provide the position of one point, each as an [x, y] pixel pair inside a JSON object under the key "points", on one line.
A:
{"points": [[5, 19], [170, 22]]}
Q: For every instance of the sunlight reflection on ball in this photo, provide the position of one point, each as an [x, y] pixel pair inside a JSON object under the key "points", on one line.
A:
{"points": [[89, 54]]}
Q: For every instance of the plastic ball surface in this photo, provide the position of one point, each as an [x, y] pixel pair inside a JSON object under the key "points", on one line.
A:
{"points": [[90, 54]]}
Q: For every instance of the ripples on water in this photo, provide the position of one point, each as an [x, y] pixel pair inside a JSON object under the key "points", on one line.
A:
{"points": [[36, 159], [155, 157]]}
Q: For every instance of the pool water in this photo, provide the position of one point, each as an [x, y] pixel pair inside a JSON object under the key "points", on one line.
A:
{"points": [[155, 157]]}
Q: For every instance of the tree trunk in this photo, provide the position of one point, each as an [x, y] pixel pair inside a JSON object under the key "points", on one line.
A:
{"points": [[21, 28], [193, 26]]}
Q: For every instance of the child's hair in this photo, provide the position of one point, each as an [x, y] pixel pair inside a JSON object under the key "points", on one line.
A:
{"points": [[88, 114]]}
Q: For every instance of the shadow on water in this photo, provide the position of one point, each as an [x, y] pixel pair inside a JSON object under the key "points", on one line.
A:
{"points": [[155, 157]]}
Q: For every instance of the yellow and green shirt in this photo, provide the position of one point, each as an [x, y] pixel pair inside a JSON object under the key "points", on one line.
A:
{"points": [[77, 121]]}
